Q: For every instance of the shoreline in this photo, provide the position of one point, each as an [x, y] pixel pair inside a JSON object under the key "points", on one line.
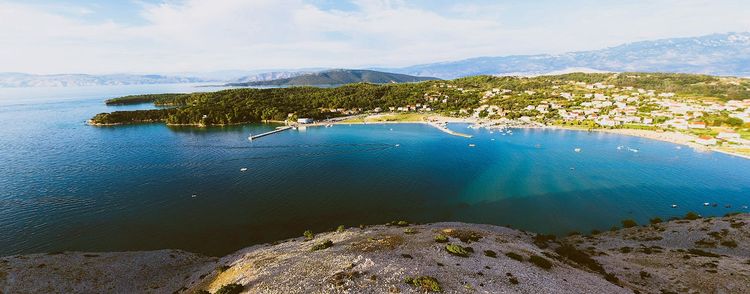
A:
{"points": [[665, 136], [436, 121]]}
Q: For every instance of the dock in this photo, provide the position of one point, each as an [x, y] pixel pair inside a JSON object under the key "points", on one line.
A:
{"points": [[277, 130]]}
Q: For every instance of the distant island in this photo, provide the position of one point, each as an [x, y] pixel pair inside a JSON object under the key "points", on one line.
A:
{"points": [[338, 77]]}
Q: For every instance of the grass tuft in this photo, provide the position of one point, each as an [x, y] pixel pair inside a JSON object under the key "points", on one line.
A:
{"points": [[457, 250], [230, 289], [425, 283], [323, 245]]}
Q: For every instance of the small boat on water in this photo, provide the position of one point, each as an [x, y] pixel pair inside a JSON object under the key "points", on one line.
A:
{"points": [[472, 145], [633, 150], [244, 169], [706, 204], [674, 205], [398, 145], [620, 147], [194, 195], [577, 150], [250, 138]]}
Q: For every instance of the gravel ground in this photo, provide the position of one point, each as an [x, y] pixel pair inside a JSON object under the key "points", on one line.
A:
{"points": [[698, 256]]}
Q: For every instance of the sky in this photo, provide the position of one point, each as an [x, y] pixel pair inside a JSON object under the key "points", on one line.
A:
{"points": [[175, 36]]}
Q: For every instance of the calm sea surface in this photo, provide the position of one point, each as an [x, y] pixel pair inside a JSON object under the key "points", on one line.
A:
{"points": [[68, 186]]}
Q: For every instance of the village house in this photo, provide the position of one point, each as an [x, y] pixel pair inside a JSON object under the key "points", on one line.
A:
{"points": [[697, 125], [706, 140]]}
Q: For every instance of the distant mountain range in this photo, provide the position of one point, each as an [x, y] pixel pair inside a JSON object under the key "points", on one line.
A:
{"points": [[338, 77], [67, 80], [717, 54]]}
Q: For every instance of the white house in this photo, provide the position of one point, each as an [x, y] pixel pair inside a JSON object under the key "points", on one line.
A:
{"points": [[304, 120]]}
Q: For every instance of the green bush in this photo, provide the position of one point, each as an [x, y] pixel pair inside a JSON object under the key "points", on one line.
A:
{"points": [[401, 223], [340, 229], [655, 220], [440, 238], [540, 262], [230, 289], [308, 235], [410, 231], [425, 283], [702, 253], [692, 216], [490, 253], [629, 223], [323, 245], [729, 243], [579, 257], [514, 256], [457, 250]]}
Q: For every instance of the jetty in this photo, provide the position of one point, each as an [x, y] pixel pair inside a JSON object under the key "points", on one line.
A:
{"points": [[445, 129], [277, 130]]}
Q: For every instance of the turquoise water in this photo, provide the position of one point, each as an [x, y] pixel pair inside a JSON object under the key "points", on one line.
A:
{"points": [[68, 186]]}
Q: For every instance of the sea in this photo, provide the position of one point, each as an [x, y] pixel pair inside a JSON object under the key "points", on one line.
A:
{"points": [[68, 186]]}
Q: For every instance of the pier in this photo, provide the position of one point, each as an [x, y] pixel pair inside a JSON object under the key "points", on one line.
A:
{"points": [[446, 130], [277, 130]]}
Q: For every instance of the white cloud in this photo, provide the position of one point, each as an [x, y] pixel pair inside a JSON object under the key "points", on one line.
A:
{"points": [[199, 35]]}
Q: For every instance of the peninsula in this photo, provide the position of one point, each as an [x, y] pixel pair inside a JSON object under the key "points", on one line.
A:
{"points": [[702, 111]]}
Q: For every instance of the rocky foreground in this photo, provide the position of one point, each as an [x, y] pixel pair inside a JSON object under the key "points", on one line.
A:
{"points": [[709, 255]]}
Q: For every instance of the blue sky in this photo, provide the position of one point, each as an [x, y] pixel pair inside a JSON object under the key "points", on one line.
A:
{"points": [[157, 36]]}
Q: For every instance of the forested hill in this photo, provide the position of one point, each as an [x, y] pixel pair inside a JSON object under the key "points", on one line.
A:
{"points": [[339, 77], [452, 97]]}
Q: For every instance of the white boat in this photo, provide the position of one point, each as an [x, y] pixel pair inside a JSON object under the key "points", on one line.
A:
{"points": [[250, 138], [194, 195], [620, 147], [472, 145], [398, 145], [633, 150], [577, 150], [244, 169], [674, 205], [706, 204]]}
